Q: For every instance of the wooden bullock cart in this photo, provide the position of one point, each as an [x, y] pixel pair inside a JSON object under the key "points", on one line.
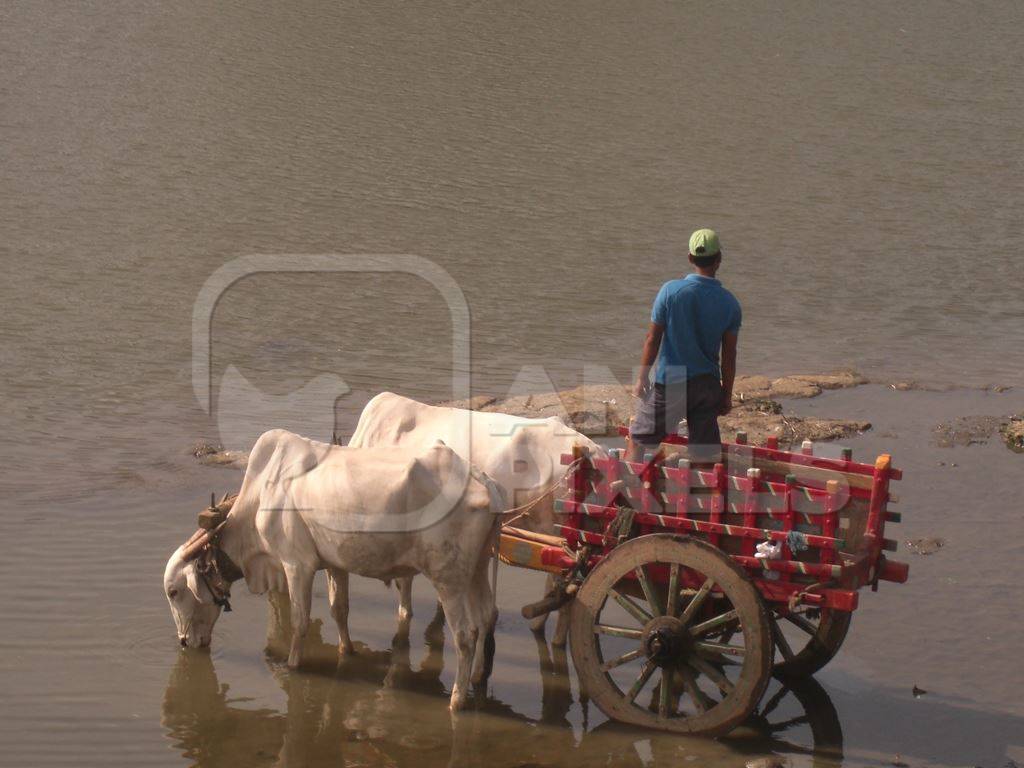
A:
{"points": [[692, 584]]}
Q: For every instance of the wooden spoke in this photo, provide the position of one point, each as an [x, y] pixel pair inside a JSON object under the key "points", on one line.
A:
{"points": [[785, 725], [799, 621], [717, 677], [647, 587], [631, 607], [773, 702], [697, 601], [672, 598], [822, 632], [780, 641], [641, 681], [623, 659], [720, 649], [704, 627], [690, 686], [608, 629], [666, 692]]}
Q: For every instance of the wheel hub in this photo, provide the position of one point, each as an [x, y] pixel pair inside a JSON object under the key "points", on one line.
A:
{"points": [[664, 639]]}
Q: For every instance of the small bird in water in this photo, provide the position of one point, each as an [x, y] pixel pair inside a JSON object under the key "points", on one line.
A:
{"points": [[918, 692]]}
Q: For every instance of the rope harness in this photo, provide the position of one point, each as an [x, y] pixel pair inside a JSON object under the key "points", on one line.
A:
{"points": [[217, 571], [525, 509]]}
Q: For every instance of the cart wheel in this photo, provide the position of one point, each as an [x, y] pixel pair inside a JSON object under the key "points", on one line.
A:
{"points": [[647, 628], [806, 640]]}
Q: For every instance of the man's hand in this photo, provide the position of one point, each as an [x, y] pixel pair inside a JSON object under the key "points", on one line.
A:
{"points": [[729, 340], [650, 354], [725, 404]]}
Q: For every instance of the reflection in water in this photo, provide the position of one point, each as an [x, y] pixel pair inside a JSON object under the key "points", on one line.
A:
{"points": [[374, 708], [795, 716], [207, 726]]}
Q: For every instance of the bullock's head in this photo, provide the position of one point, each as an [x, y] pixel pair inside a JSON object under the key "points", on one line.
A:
{"points": [[194, 607]]}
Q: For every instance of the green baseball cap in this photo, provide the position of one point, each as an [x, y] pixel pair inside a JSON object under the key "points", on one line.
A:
{"points": [[704, 242]]}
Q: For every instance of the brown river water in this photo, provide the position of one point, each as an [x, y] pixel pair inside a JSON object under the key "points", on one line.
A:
{"points": [[861, 161]]}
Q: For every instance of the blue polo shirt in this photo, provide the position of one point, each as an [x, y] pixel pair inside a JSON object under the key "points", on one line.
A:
{"points": [[695, 312]]}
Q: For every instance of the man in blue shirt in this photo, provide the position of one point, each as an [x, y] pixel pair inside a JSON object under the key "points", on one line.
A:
{"points": [[694, 319]]}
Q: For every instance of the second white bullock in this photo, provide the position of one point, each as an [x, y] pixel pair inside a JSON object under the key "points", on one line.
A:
{"points": [[522, 455], [384, 513]]}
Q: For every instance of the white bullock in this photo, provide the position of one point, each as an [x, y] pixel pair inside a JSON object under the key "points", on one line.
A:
{"points": [[384, 513], [522, 455]]}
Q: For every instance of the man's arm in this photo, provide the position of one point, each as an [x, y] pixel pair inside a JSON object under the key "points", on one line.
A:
{"points": [[651, 345], [729, 342]]}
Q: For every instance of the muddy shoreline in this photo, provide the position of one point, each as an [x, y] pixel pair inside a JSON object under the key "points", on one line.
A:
{"points": [[759, 409]]}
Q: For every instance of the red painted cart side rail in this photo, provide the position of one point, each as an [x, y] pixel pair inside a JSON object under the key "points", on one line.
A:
{"points": [[775, 454], [603, 511], [774, 591], [670, 522]]}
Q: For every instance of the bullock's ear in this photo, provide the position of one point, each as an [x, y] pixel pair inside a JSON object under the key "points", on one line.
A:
{"points": [[192, 581]]}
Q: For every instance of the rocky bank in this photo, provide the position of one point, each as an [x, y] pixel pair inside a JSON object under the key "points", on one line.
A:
{"points": [[600, 410]]}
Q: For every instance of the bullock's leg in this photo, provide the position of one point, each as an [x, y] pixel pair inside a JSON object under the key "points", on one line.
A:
{"points": [[300, 591], [459, 618], [404, 585], [337, 595], [485, 616], [279, 621]]}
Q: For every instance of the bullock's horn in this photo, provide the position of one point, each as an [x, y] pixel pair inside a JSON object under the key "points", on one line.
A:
{"points": [[192, 539], [194, 545]]}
